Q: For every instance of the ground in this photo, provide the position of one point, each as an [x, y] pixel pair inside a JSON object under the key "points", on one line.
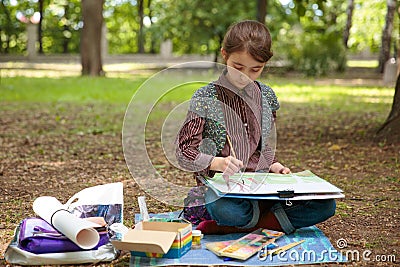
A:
{"points": [[41, 155]]}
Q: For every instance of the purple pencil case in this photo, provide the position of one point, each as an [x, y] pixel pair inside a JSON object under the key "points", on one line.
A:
{"points": [[39, 237]]}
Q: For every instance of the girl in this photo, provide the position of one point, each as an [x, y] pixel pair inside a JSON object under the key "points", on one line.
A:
{"points": [[227, 130]]}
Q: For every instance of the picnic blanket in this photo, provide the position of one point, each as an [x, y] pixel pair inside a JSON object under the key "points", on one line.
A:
{"points": [[316, 249]]}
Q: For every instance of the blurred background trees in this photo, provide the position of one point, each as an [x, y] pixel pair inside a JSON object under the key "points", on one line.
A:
{"points": [[311, 36]]}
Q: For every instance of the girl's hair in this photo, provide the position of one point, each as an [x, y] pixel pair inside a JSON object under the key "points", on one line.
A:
{"points": [[250, 36]]}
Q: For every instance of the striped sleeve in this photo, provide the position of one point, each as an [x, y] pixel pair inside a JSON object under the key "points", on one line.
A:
{"points": [[189, 139]]}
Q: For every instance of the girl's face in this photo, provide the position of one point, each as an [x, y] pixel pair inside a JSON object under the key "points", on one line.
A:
{"points": [[242, 68]]}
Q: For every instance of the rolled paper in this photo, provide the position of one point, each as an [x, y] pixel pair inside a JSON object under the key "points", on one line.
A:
{"points": [[78, 230]]}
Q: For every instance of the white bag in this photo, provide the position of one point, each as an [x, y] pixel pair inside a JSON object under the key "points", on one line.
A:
{"points": [[99, 201], [15, 255]]}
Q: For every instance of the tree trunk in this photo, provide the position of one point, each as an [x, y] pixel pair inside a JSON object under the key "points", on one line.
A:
{"points": [[349, 12], [140, 4], [390, 130], [218, 50], [92, 12], [384, 54], [41, 8], [152, 43], [261, 10], [66, 28]]}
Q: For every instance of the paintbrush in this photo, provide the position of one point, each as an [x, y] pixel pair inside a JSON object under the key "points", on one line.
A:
{"points": [[233, 153]]}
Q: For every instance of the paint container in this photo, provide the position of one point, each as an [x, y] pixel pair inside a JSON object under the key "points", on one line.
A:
{"points": [[196, 239]]}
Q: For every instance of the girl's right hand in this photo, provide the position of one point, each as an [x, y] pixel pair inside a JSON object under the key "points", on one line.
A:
{"points": [[227, 165]]}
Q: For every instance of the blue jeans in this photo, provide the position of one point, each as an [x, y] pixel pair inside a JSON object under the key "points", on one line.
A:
{"points": [[245, 213]]}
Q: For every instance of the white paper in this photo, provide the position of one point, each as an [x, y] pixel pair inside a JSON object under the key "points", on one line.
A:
{"points": [[247, 183], [78, 230]]}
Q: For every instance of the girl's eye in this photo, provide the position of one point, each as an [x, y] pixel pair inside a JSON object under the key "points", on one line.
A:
{"points": [[238, 68], [255, 70]]}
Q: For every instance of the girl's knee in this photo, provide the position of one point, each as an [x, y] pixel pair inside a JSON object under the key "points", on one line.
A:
{"points": [[230, 212], [329, 208]]}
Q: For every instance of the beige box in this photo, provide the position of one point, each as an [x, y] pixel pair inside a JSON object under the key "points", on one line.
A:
{"points": [[157, 239]]}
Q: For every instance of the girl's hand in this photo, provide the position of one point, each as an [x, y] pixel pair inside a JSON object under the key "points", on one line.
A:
{"points": [[279, 168], [228, 165]]}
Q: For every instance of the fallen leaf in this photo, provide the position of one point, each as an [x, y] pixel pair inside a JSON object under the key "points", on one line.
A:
{"points": [[334, 147]]}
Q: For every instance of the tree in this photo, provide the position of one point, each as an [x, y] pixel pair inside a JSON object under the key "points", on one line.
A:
{"points": [[198, 26], [261, 10], [140, 5], [92, 13], [6, 27], [349, 12], [384, 54], [66, 29], [41, 7], [152, 42], [390, 130]]}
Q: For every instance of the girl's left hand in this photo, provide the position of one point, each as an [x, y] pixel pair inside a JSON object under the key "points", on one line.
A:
{"points": [[279, 168]]}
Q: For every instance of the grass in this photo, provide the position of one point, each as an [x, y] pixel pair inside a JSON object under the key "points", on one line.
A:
{"points": [[345, 98], [68, 89], [81, 90], [106, 100], [363, 63]]}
